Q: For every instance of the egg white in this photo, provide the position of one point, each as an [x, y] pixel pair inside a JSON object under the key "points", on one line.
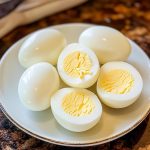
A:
{"points": [[88, 79], [36, 86], [121, 100], [42, 46], [109, 44], [72, 123]]}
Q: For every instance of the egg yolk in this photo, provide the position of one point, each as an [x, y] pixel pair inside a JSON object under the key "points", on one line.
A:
{"points": [[77, 64], [116, 81], [77, 104]]}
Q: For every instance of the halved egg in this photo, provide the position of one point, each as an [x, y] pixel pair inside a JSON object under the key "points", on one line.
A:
{"points": [[109, 44], [76, 109], [42, 46], [78, 66], [119, 84], [36, 86]]}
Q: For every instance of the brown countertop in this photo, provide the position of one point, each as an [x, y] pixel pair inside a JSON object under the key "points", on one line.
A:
{"points": [[132, 17]]}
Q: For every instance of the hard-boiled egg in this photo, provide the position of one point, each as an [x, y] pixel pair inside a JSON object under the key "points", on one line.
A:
{"points": [[119, 84], [78, 66], [36, 86], [42, 46], [76, 109], [108, 43]]}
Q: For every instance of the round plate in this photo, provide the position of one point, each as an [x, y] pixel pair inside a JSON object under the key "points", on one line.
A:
{"points": [[114, 122]]}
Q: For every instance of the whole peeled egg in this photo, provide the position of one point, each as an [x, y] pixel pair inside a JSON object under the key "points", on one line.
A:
{"points": [[42, 46], [109, 44], [119, 84], [36, 86]]}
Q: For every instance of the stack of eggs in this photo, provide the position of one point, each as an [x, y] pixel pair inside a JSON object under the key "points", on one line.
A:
{"points": [[76, 108]]}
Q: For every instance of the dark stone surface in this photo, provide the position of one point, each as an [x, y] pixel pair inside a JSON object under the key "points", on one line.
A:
{"points": [[131, 17]]}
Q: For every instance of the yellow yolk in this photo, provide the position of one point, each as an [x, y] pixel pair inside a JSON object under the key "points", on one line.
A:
{"points": [[77, 104], [77, 64], [116, 81]]}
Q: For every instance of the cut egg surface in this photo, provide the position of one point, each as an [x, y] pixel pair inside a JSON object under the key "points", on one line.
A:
{"points": [[36, 86], [76, 109], [109, 44], [119, 84], [78, 66], [42, 46]]}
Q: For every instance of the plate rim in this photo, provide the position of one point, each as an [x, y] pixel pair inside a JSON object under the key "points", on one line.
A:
{"points": [[56, 141], [69, 143]]}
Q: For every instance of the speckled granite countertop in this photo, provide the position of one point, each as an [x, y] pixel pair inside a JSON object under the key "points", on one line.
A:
{"points": [[132, 17]]}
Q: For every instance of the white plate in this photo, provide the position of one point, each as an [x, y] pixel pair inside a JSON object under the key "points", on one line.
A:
{"points": [[114, 122]]}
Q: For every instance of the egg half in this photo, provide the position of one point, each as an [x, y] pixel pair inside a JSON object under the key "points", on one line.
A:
{"points": [[119, 84], [78, 66], [42, 46], [108, 43], [76, 109], [36, 86]]}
